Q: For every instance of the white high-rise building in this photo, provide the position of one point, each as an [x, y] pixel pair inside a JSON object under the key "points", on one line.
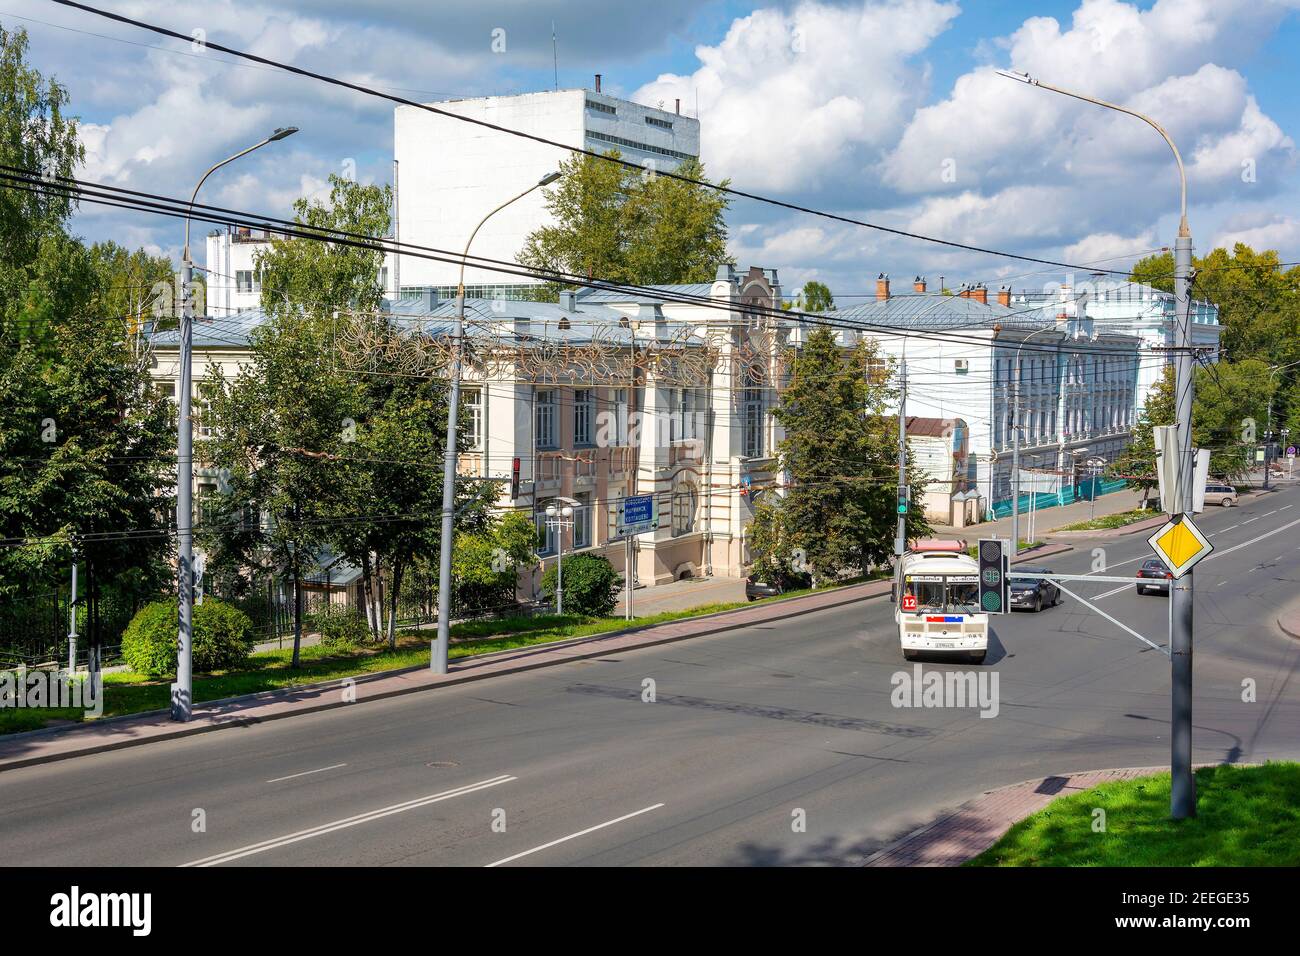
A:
{"points": [[451, 173]]}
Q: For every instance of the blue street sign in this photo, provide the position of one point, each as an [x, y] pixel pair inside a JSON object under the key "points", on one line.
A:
{"points": [[636, 515]]}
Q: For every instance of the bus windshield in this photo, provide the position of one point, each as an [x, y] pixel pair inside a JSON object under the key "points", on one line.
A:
{"points": [[943, 593]]}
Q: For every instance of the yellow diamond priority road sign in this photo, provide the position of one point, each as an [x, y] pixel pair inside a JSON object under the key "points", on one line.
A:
{"points": [[1180, 545]]}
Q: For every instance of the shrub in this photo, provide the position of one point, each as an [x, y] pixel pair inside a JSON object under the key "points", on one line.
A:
{"points": [[591, 585], [341, 630], [223, 638]]}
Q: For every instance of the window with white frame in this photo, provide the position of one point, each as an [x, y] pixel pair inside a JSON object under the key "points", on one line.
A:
{"points": [[548, 534], [246, 280], [471, 417], [584, 415], [751, 416], [619, 408], [544, 419], [582, 513]]}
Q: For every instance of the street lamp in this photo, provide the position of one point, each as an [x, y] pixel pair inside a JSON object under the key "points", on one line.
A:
{"points": [[559, 515], [183, 690], [438, 653], [1183, 785], [1268, 428]]}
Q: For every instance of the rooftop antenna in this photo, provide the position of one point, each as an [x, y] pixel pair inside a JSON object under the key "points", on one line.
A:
{"points": [[555, 55]]}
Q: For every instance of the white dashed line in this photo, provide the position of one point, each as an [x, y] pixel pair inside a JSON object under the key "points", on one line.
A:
{"points": [[574, 836], [307, 772], [254, 848]]}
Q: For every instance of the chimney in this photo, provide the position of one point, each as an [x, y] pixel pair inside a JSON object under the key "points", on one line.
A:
{"points": [[677, 108], [964, 291], [1004, 296], [980, 294], [919, 284], [882, 287], [569, 300], [597, 82]]}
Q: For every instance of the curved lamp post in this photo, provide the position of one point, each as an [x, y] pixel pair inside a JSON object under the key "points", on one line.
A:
{"points": [[438, 653], [1183, 788], [183, 689]]}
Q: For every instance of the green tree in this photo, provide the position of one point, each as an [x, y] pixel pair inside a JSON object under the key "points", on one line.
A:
{"points": [[627, 225], [84, 445], [37, 135], [841, 451], [133, 286], [486, 563], [1137, 463], [815, 297]]}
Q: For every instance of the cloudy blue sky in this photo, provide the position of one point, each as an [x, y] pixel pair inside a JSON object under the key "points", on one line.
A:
{"points": [[884, 111]]}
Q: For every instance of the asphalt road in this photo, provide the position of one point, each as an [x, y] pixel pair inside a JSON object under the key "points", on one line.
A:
{"points": [[750, 733]]}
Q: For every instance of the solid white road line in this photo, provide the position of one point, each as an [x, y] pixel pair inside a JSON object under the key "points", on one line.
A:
{"points": [[262, 847], [305, 773], [574, 836]]}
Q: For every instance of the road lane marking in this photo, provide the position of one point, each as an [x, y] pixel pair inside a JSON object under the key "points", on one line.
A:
{"points": [[264, 845], [305, 773], [1249, 520], [1284, 507], [574, 836], [1237, 547], [1122, 587], [1230, 527]]}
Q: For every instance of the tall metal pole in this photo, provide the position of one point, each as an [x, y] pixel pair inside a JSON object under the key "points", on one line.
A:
{"points": [[72, 623], [442, 643], [900, 537], [1182, 801], [183, 690], [1183, 790], [1015, 459]]}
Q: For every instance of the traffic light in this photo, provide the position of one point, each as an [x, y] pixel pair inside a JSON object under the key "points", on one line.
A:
{"points": [[994, 586], [902, 504], [514, 478]]}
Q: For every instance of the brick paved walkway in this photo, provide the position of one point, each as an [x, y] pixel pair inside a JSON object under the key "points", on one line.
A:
{"points": [[958, 835]]}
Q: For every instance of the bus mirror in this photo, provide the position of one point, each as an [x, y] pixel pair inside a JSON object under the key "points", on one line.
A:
{"points": [[893, 593]]}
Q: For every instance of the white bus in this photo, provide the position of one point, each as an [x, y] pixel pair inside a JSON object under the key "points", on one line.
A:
{"points": [[937, 602]]}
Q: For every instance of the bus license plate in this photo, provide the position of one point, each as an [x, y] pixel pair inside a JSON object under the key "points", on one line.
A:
{"points": [[947, 644]]}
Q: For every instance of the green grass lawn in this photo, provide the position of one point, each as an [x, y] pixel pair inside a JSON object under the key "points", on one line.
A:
{"points": [[1246, 816], [1106, 522], [126, 692]]}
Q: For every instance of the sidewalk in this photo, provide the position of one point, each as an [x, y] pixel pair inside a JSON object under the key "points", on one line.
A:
{"points": [[683, 595], [959, 835], [1047, 519], [113, 733]]}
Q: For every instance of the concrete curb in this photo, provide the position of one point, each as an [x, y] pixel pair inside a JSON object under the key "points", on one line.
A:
{"points": [[474, 669], [1290, 626]]}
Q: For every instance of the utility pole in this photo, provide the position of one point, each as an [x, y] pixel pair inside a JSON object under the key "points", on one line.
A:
{"points": [[1015, 458], [442, 642], [1182, 802], [183, 690]]}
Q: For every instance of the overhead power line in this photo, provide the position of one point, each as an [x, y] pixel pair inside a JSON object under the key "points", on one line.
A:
{"points": [[118, 197], [728, 190]]}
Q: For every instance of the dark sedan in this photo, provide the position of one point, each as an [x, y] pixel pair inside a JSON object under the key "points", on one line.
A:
{"points": [[1030, 591], [772, 585], [1155, 577]]}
